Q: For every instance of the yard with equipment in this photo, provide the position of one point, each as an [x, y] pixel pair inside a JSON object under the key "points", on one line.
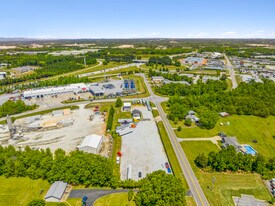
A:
{"points": [[220, 187]]}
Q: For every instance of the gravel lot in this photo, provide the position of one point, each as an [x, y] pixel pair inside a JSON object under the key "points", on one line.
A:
{"points": [[68, 137], [142, 149]]}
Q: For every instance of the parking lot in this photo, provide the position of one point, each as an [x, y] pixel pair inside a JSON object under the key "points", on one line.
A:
{"points": [[142, 149]]}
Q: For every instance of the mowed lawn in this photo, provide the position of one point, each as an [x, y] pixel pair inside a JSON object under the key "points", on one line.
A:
{"points": [[245, 128], [226, 184], [20, 191], [118, 199]]}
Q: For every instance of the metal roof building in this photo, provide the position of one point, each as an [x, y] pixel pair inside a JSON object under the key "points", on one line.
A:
{"points": [[37, 93], [56, 191], [91, 144], [97, 91]]}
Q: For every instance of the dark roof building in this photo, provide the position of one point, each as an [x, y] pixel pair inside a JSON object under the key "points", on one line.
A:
{"points": [[56, 191]]}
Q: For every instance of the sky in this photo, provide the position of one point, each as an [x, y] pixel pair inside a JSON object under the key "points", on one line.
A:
{"points": [[137, 18]]}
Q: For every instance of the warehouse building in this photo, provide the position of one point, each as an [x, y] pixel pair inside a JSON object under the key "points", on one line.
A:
{"points": [[195, 60], [56, 191], [97, 91], [91, 144], [40, 93]]}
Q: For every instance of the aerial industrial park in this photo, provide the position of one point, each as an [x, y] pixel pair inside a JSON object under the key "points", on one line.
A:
{"points": [[139, 103]]}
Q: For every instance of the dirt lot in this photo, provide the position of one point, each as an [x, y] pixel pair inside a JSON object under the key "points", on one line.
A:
{"points": [[142, 149], [67, 137]]}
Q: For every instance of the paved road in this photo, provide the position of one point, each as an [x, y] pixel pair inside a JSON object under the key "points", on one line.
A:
{"points": [[231, 72], [184, 163], [110, 69], [93, 194]]}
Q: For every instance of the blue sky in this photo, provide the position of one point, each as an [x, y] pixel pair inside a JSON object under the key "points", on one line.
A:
{"points": [[137, 18]]}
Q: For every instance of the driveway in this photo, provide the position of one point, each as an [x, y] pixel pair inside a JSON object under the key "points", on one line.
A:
{"points": [[93, 194]]}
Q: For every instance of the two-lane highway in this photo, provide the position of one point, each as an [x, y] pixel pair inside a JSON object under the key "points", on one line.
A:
{"points": [[231, 72], [189, 175]]}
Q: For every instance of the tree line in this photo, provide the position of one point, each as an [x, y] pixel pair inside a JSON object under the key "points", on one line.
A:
{"points": [[15, 107], [228, 159], [166, 60], [210, 98], [110, 118], [172, 77], [75, 168]]}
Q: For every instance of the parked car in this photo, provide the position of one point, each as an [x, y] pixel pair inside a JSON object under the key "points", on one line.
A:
{"points": [[117, 160], [139, 175], [167, 165]]}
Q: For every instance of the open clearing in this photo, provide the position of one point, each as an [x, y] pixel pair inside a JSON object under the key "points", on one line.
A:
{"points": [[142, 148], [119, 199], [226, 184], [19, 191], [245, 128]]}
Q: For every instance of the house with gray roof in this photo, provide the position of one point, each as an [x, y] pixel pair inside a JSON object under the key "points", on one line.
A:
{"points": [[56, 191]]}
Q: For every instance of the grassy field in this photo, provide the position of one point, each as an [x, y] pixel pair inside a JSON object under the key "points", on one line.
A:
{"points": [[245, 128], [118, 71], [155, 112], [100, 67], [20, 191], [190, 201], [119, 199], [226, 184]]}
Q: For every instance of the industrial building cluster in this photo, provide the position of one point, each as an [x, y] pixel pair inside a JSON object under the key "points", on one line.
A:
{"points": [[256, 68], [206, 60], [112, 88]]}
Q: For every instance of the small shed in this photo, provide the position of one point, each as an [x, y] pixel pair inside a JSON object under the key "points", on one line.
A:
{"points": [[66, 111], [56, 191], [127, 106], [224, 114], [91, 144], [157, 79], [125, 121], [57, 113], [136, 115]]}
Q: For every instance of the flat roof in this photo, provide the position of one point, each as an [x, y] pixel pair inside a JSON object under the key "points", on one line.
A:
{"points": [[127, 104], [96, 89], [92, 140], [56, 190]]}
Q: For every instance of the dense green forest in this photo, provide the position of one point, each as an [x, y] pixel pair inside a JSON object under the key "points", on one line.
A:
{"points": [[213, 97], [240, 52], [75, 168], [159, 188], [172, 77], [227, 159], [166, 60], [14, 107]]}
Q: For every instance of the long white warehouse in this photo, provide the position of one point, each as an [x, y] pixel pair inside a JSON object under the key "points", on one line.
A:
{"points": [[72, 88]]}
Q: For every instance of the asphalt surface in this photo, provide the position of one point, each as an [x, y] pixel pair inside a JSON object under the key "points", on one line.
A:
{"points": [[189, 175], [93, 194], [231, 72]]}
